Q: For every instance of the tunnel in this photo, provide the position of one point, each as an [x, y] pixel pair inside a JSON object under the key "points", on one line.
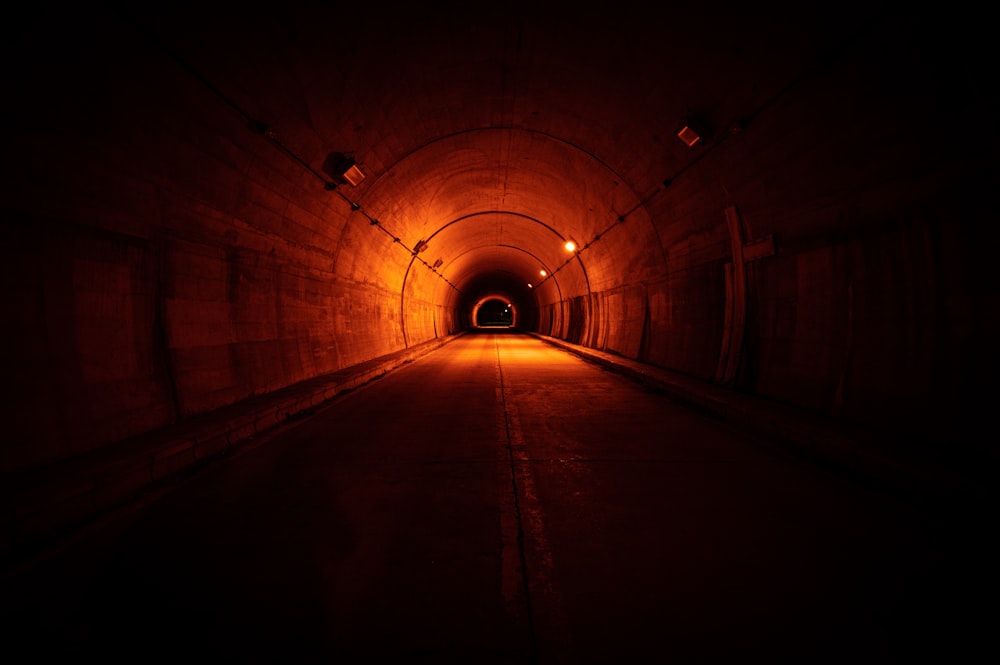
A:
{"points": [[222, 222]]}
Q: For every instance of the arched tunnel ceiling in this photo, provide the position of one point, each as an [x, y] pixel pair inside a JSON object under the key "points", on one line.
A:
{"points": [[493, 133]]}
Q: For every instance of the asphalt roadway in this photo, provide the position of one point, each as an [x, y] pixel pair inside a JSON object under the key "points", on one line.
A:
{"points": [[503, 501]]}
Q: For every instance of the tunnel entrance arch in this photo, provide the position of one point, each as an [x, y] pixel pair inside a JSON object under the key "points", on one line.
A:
{"points": [[494, 312]]}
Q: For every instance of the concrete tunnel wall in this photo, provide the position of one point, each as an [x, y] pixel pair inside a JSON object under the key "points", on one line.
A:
{"points": [[172, 245]]}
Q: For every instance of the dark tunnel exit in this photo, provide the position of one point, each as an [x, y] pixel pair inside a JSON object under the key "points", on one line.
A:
{"points": [[495, 313]]}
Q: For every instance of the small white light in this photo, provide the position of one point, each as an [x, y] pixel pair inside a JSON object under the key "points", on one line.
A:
{"points": [[570, 245], [542, 273]]}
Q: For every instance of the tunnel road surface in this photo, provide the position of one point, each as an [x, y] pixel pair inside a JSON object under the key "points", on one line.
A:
{"points": [[503, 501]]}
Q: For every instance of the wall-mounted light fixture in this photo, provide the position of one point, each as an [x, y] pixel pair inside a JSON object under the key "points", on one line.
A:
{"points": [[420, 246], [342, 167], [542, 273], [570, 246], [437, 264], [689, 135], [693, 129], [353, 175]]}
